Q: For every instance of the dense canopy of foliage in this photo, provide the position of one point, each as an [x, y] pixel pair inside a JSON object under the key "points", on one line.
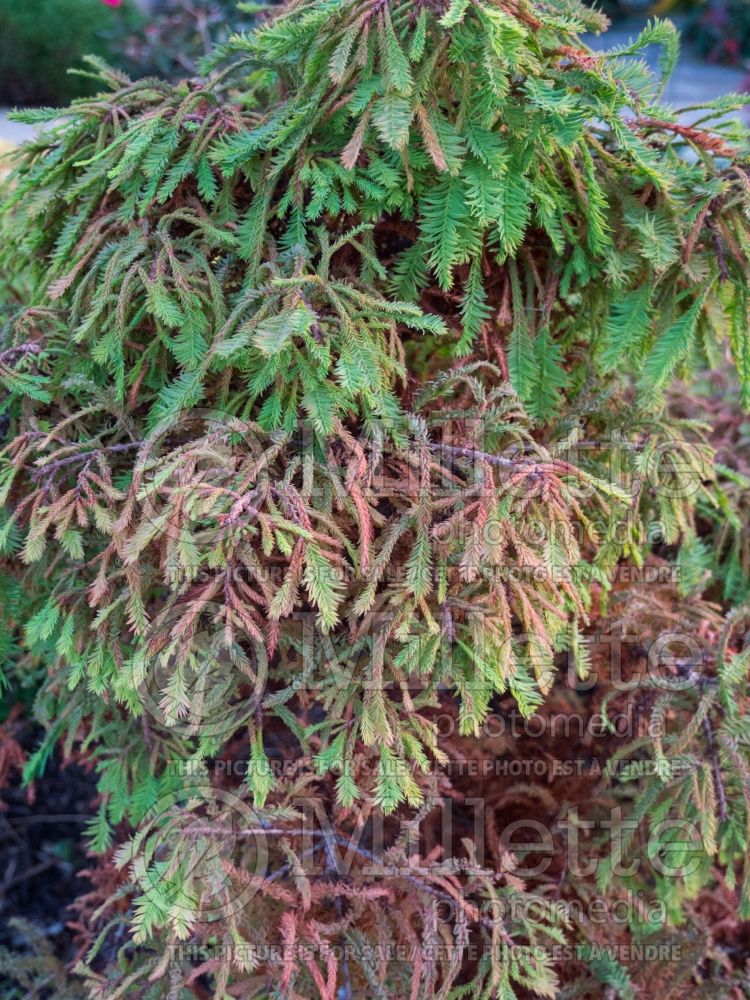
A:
{"points": [[337, 404]]}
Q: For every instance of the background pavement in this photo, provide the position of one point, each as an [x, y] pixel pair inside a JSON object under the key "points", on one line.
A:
{"points": [[692, 81], [13, 132]]}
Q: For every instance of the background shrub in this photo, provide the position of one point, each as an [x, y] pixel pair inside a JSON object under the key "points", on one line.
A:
{"points": [[175, 36], [39, 41], [717, 30], [721, 31]]}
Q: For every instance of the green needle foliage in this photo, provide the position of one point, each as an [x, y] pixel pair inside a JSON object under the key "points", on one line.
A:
{"points": [[300, 396], [497, 136]]}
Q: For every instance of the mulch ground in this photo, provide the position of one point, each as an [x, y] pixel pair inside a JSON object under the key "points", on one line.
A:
{"points": [[41, 847]]}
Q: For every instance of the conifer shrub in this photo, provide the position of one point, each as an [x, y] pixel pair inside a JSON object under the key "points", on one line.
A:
{"points": [[338, 406]]}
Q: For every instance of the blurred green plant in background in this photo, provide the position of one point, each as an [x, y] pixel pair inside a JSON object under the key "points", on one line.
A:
{"points": [[39, 41], [177, 35]]}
